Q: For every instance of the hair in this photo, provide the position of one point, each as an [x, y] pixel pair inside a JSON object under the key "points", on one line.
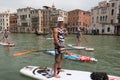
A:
{"points": [[99, 76]]}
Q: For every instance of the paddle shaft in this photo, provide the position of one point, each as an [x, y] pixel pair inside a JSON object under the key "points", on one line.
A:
{"points": [[27, 52]]}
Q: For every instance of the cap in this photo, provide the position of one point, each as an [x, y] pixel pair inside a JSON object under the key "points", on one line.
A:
{"points": [[60, 19]]}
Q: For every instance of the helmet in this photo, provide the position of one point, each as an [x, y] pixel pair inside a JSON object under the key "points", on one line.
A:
{"points": [[60, 19]]}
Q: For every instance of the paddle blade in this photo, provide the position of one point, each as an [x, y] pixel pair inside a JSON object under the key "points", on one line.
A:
{"points": [[21, 53]]}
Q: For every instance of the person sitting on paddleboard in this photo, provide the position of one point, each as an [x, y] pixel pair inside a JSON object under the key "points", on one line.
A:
{"points": [[5, 36], [78, 36], [58, 34]]}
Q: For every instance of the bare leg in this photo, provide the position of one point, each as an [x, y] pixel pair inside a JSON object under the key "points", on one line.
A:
{"points": [[55, 70], [59, 66], [6, 40], [78, 42]]}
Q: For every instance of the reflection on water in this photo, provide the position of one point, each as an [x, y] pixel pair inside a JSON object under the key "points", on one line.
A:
{"points": [[107, 51], [6, 50]]}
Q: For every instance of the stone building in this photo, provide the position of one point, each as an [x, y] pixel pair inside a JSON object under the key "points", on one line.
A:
{"points": [[114, 19], [13, 22], [104, 18], [24, 20], [4, 20], [55, 14], [36, 20], [78, 18]]}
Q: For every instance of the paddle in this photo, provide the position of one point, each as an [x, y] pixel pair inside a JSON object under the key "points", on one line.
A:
{"points": [[27, 52]]}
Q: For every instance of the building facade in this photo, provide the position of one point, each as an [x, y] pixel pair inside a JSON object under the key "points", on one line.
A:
{"points": [[78, 18], [55, 14], [4, 20], [99, 18], [114, 19], [104, 18], [24, 20], [36, 20], [13, 22]]}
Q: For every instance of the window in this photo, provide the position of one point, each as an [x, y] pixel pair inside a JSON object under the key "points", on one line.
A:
{"points": [[100, 18], [108, 29], [97, 20], [111, 21], [92, 19], [112, 12], [106, 19], [113, 4], [7, 24], [103, 18]]}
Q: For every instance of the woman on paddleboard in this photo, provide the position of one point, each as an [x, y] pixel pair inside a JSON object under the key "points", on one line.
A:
{"points": [[58, 34]]}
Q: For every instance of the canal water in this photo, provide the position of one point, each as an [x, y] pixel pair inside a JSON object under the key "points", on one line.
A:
{"points": [[107, 51]]}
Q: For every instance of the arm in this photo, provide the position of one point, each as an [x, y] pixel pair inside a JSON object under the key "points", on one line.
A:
{"points": [[65, 31]]}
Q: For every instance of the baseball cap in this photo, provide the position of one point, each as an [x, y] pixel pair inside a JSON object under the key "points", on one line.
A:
{"points": [[60, 19]]}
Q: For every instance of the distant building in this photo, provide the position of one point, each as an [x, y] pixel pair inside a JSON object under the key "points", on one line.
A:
{"points": [[4, 20], [78, 18], [46, 18], [104, 18], [99, 18], [13, 22], [24, 19], [114, 18], [55, 14], [36, 20]]}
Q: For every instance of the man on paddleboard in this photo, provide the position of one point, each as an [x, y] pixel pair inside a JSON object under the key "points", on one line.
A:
{"points": [[58, 34], [78, 36]]}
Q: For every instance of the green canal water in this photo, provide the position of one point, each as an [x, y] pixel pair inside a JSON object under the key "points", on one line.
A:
{"points": [[107, 51]]}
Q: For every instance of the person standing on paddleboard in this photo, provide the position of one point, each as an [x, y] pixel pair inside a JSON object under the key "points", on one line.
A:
{"points": [[58, 34], [5, 35], [78, 36]]}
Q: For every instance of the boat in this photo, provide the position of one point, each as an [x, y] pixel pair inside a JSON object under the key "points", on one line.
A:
{"points": [[7, 44], [74, 57], [46, 73], [80, 47]]}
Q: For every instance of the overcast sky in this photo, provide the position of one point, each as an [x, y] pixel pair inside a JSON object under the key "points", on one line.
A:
{"points": [[67, 5]]}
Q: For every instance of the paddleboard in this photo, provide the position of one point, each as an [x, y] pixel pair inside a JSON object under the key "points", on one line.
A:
{"points": [[45, 73], [80, 47], [7, 44], [75, 57]]}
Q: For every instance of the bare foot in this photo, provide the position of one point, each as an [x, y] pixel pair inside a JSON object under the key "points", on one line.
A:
{"points": [[57, 76]]}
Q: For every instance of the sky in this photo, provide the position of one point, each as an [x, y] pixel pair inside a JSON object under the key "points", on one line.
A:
{"points": [[67, 5]]}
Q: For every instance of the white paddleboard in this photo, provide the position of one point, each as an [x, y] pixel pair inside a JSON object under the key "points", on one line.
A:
{"points": [[80, 47], [46, 74], [7, 44]]}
